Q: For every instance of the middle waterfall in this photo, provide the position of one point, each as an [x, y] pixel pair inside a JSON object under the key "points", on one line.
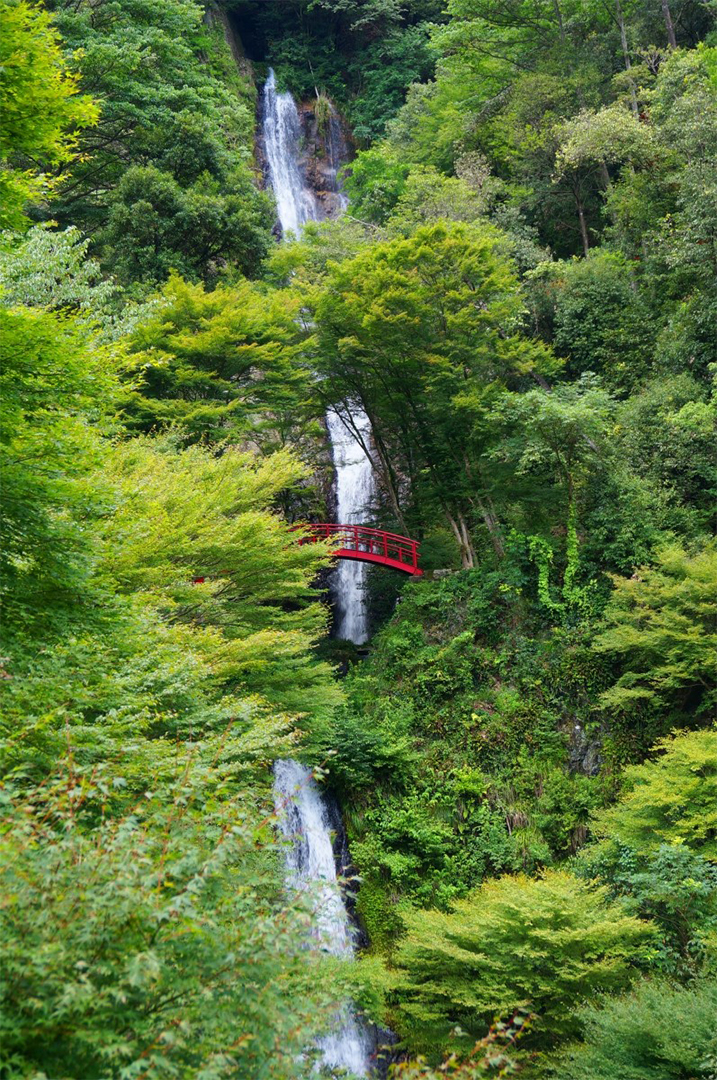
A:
{"points": [[304, 814]]}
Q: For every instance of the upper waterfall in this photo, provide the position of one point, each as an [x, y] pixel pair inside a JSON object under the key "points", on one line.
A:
{"points": [[296, 203]]}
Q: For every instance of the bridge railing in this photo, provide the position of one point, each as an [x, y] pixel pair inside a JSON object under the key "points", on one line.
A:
{"points": [[360, 538]]}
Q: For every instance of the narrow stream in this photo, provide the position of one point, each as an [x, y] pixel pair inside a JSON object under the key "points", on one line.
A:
{"points": [[305, 817]]}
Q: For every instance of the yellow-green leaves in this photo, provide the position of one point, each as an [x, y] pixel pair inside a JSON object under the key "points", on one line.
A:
{"points": [[546, 944], [670, 800], [661, 628], [40, 109]]}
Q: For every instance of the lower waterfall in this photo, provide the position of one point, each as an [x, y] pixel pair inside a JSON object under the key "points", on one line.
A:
{"points": [[310, 861], [301, 808]]}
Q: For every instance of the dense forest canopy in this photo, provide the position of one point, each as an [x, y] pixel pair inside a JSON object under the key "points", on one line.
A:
{"points": [[520, 297]]}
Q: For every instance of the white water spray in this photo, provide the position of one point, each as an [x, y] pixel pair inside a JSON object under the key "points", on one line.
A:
{"points": [[296, 203], [310, 864], [303, 813], [355, 491]]}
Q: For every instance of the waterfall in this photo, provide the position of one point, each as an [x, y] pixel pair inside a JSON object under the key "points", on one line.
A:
{"points": [[310, 861], [281, 131], [303, 813], [355, 489], [297, 204]]}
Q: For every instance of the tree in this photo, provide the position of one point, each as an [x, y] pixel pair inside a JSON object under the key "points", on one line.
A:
{"points": [[668, 800], [156, 226], [196, 515], [154, 606], [667, 436], [558, 440], [98, 542], [659, 1032], [228, 365], [421, 332], [546, 944], [155, 940], [58, 393], [656, 848], [50, 268], [165, 178], [374, 182], [660, 627], [600, 322], [41, 111]]}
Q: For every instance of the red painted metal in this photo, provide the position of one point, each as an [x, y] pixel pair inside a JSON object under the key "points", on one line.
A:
{"points": [[368, 545]]}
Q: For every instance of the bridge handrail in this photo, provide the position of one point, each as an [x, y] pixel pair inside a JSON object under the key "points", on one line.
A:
{"points": [[399, 549], [330, 527]]}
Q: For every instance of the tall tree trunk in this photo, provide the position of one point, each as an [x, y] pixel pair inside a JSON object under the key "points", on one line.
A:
{"points": [[461, 535], [627, 57], [669, 24], [492, 524]]}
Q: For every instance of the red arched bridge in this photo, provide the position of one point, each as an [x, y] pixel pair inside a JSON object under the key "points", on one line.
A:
{"points": [[367, 545]]}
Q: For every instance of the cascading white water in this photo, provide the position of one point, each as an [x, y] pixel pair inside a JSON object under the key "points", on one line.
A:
{"points": [[302, 812], [310, 863], [296, 204], [281, 132], [355, 490]]}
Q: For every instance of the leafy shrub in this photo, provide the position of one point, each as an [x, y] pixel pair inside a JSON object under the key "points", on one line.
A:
{"points": [[659, 1032], [671, 799], [660, 629], [546, 944]]}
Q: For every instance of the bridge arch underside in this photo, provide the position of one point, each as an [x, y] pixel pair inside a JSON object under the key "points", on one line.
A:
{"points": [[381, 560]]}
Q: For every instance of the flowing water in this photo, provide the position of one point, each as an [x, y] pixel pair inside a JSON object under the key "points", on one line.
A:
{"points": [[303, 812], [281, 131], [307, 827], [355, 490]]}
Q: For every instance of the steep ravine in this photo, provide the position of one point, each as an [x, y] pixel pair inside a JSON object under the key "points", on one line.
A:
{"points": [[308, 822]]}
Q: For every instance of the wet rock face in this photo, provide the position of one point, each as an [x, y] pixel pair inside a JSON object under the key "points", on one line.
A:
{"points": [[325, 145], [324, 150], [584, 751]]}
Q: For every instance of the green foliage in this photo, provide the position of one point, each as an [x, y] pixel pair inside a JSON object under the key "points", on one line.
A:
{"points": [[188, 515], [546, 944], [521, 299], [660, 630], [451, 752], [363, 53], [422, 332], [40, 108], [153, 941], [225, 365], [374, 183], [656, 848], [58, 389], [601, 325], [492, 1055], [669, 800], [165, 178], [667, 436], [156, 226], [673, 887], [49, 268], [659, 1032]]}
